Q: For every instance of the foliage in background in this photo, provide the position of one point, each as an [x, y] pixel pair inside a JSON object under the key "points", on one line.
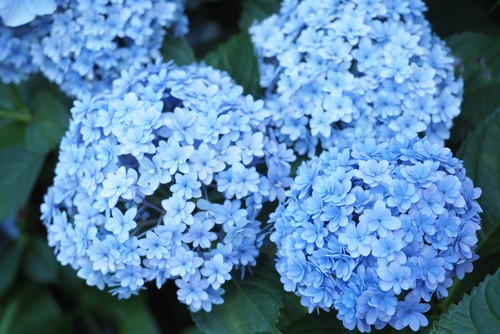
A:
{"points": [[38, 295]]}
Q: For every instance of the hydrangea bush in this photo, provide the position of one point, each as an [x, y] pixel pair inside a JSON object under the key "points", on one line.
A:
{"points": [[163, 178], [85, 44], [335, 69], [375, 230]]}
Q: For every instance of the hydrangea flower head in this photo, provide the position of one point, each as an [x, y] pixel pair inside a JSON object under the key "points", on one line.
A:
{"points": [[163, 177], [85, 44], [350, 68], [375, 230]]}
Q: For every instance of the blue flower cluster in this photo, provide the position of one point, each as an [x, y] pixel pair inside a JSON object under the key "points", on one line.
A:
{"points": [[373, 229], [85, 44], [162, 177], [16, 62], [337, 69]]}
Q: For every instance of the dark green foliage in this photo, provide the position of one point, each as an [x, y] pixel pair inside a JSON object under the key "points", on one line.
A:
{"points": [[9, 264], [22, 167], [256, 10], [26, 135], [32, 310], [478, 312], [178, 50], [250, 305], [40, 262], [49, 122], [238, 58], [479, 64], [482, 161]]}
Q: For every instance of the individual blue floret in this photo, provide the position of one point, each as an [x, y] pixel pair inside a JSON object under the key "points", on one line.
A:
{"points": [[339, 69], [375, 229], [173, 194]]}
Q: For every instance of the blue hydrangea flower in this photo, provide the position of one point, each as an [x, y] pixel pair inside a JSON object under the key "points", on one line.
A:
{"points": [[84, 45], [337, 69], [169, 202], [407, 228]]}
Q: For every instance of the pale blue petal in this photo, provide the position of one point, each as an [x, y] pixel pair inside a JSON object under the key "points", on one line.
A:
{"points": [[41, 7], [16, 13]]}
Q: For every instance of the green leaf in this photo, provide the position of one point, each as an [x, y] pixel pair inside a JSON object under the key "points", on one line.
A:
{"points": [[478, 312], [9, 264], [32, 310], [11, 104], [256, 10], [250, 305], [40, 262], [19, 170], [482, 162], [480, 67], [12, 132], [50, 121], [478, 57], [137, 318], [237, 57], [178, 50]]}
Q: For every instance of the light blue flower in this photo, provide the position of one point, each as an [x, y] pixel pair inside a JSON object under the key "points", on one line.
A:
{"points": [[104, 254], [410, 313], [204, 163], [357, 239], [158, 181], [153, 246], [403, 195], [184, 262], [380, 219], [199, 234], [120, 224], [216, 271], [174, 157], [119, 184], [373, 172], [193, 292], [186, 186], [396, 277], [18, 12], [178, 210], [342, 70]]}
